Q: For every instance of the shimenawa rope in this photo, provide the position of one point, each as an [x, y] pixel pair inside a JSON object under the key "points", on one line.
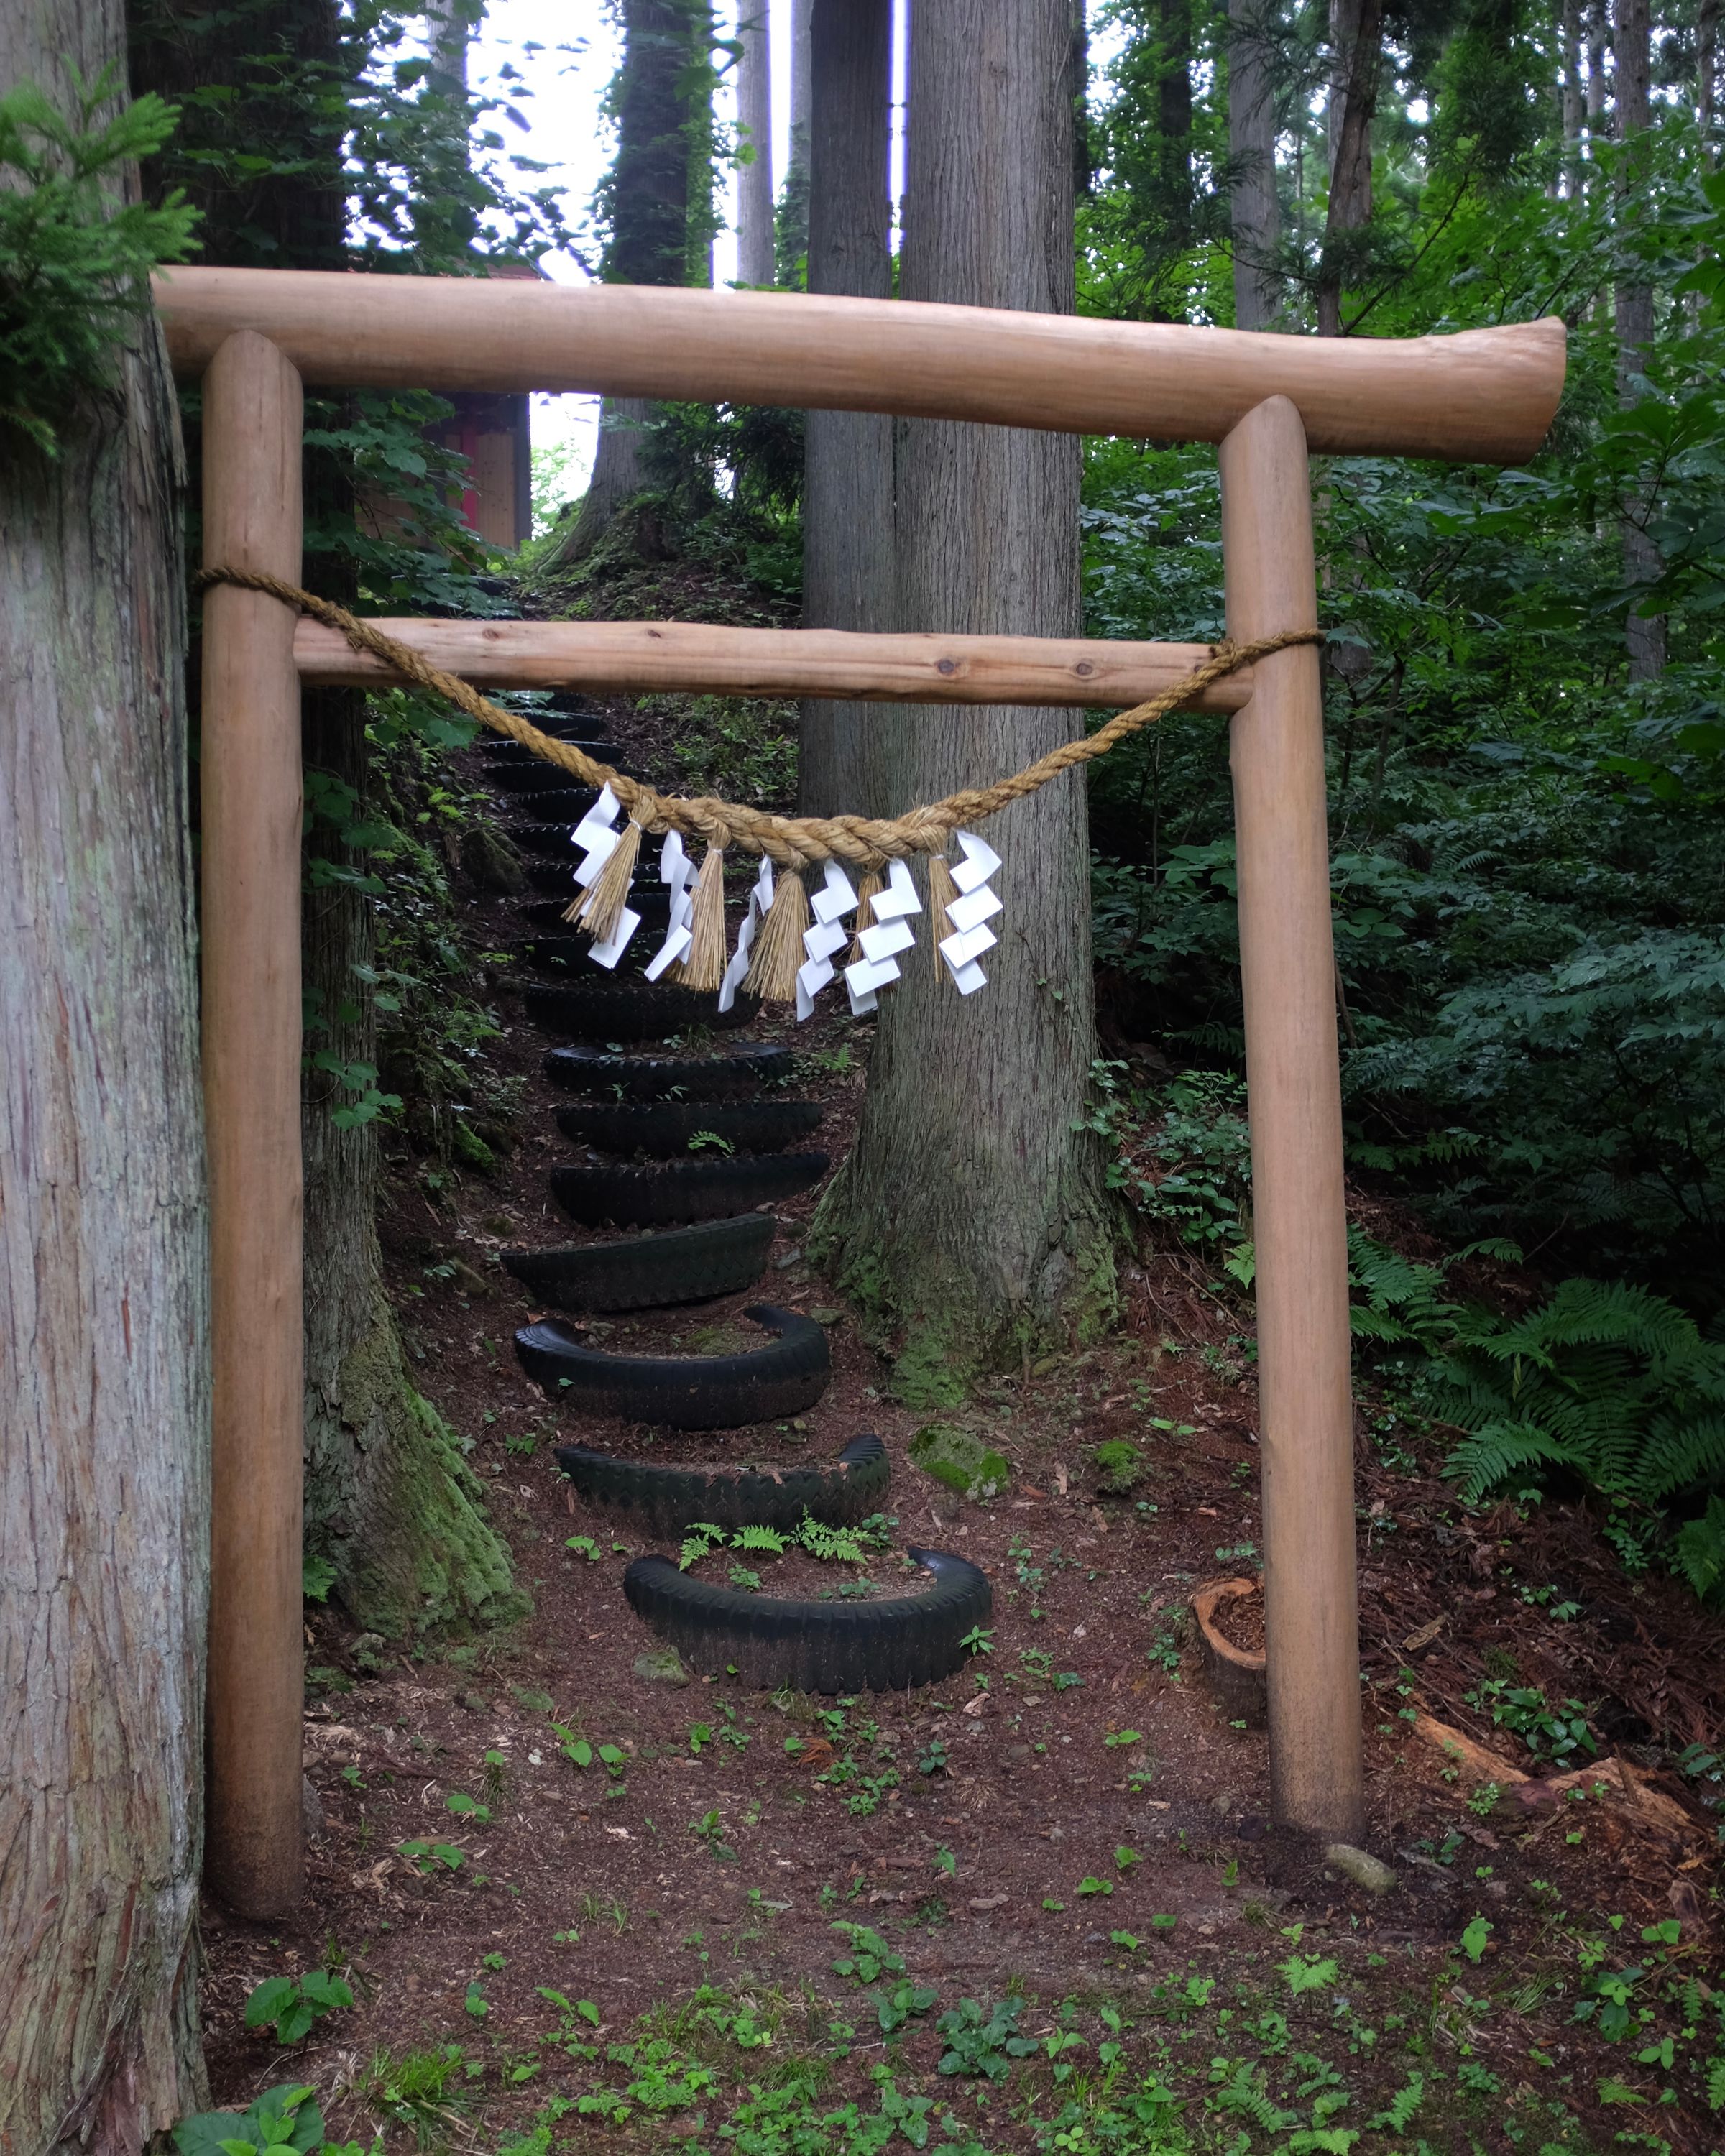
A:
{"points": [[789, 842]]}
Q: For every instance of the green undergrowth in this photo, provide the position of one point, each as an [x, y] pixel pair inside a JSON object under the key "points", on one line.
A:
{"points": [[1306, 2047]]}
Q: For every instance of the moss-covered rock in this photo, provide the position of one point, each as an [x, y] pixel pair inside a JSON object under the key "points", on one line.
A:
{"points": [[962, 1461]]}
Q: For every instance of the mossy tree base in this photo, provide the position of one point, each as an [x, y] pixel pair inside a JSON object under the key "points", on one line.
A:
{"points": [[394, 1507]]}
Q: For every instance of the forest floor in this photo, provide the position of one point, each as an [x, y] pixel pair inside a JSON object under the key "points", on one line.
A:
{"points": [[1041, 1904]]}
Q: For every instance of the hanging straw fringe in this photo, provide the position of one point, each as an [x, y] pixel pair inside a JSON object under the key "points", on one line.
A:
{"points": [[702, 966], [869, 887], [778, 949], [789, 842], [599, 908], [941, 892]]}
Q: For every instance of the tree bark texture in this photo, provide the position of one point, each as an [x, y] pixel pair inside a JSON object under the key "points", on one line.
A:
{"points": [[1644, 635], [103, 1331], [1356, 33], [754, 112], [648, 199], [410, 1547], [1255, 212], [1707, 63], [969, 1211], [847, 498]]}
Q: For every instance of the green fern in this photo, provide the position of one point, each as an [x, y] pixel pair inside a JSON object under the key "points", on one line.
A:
{"points": [[702, 1539], [1398, 2114], [837, 1545], [1608, 1381], [768, 1540]]}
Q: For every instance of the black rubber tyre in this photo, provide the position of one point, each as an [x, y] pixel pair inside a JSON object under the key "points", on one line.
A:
{"points": [[682, 1189], [652, 901], [587, 732], [569, 801], [775, 1643], [551, 842], [602, 1008], [570, 949], [534, 775], [602, 1076], [648, 1272], [684, 1392], [664, 1128], [666, 1501]]}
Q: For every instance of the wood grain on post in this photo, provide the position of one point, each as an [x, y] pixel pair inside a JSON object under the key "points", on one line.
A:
{"points": [[1287, 967], [643, 656], [251, 796], [1485, 395]]}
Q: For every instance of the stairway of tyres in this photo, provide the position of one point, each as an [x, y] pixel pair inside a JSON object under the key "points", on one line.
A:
{"points": [[685, 1139]]}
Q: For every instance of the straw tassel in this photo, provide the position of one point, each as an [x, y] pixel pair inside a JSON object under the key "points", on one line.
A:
{"points": [[869, 885], [778, 949], [702, 966], [599, 909], [942, 892]]}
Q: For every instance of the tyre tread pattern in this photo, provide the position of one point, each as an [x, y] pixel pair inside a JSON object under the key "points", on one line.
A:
{"points": [[648, 1272], [600, 1076], [664, 1128], [685, 1392], [681, 1190], [666, 1501], [829, 1647]]}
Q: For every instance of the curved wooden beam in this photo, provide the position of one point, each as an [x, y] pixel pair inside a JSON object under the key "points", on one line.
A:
{"points": [[639, 657], [1487, 395]]}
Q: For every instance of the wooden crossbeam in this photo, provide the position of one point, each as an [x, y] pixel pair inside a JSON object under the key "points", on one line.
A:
{"points": [[639, 657]]}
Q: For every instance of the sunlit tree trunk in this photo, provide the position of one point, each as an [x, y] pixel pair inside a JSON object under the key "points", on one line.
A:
{"points": [[1631, 37], [1573, 93], [1254, 212], [847, 498], [754, 111], [104, 1330], [969, 1213]]}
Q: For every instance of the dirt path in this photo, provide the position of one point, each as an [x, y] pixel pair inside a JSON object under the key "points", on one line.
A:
{"points": [[1071, 1831]]}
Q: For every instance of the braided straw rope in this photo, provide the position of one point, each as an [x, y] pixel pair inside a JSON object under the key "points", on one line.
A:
{"points": [[790, 842]]}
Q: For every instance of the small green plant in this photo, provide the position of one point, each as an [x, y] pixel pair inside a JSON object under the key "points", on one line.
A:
{"points": [[983, 2042], [979, 1639], [708, 1830], [867, 1957], [293, 2005], [429, 1857], [584, 1545], [1556, 1733], [317, 1576], [285, 2122], [709, 1141], [1120, 1466]]}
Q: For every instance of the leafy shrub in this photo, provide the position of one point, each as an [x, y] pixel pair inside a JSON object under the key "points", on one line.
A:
{"points": [[293, 2005]]}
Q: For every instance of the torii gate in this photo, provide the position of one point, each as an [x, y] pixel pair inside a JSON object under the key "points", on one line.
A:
{"points": [[254, 337]]}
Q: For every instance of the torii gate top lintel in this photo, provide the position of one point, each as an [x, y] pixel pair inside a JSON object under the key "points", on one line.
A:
{"points": [[1484, 395]]}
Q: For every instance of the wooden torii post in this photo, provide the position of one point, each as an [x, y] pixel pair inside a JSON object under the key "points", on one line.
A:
{"points": [[255, 336]]}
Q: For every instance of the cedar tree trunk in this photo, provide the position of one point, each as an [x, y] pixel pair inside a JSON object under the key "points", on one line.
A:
{"points": [[1642, 564], [103, 1318], [754, 112], [1254, 211], [969, 1212], [847, 466]]}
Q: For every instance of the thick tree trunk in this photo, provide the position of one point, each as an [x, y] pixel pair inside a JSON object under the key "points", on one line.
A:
{"points": [[1644, 635], [847, 495], [754, 111], [1596, 17], [969, 1211], [793, 200], [648, 198], [408, 1547], [104, 1330], [1255, 214], [1356, 36]]}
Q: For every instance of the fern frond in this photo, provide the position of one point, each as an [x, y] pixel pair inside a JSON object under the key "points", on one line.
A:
{"points": [[1490, 1455]]}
